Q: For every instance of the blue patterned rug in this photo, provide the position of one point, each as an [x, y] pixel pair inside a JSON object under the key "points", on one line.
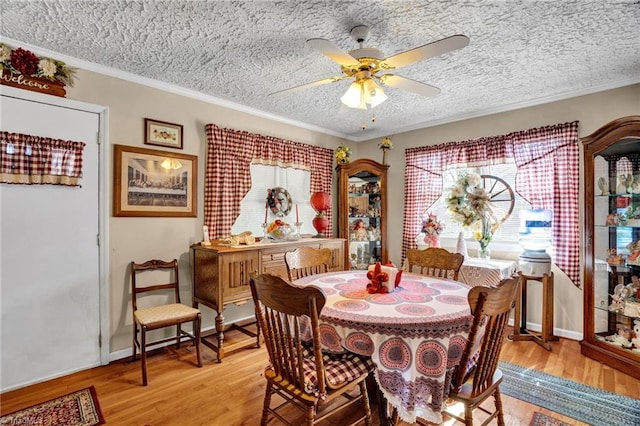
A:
{"points": [[576, 400]]}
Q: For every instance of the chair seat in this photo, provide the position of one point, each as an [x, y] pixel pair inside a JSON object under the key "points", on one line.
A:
{"points": [[174, 311], [467, 388], [339, 369]]}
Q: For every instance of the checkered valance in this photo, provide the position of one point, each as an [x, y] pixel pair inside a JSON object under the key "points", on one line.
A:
{"points": [[228, 177], [548, 177], [31, 160]]}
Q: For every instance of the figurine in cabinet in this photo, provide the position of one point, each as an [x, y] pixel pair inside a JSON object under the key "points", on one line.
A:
{"points": [[636, 330], [360, 231], [613, 219], [603, 184], [624, 183], [614, 258], [634, 252]]}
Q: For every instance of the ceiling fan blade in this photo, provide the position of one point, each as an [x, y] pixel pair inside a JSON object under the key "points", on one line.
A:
{"points": [[425, 52], [307, 85], [333, 52], [409, 85]]}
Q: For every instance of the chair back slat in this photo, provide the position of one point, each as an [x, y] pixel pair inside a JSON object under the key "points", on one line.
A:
{"points": [[305, 261], [154, 265], [490, 308], [284, 313], [436, 262]]}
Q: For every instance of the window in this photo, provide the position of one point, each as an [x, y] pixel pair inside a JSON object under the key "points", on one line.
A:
{"points": [[252, 206], [508, 232], [546, 159]]}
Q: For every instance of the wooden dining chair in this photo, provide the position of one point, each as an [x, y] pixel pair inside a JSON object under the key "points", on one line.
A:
{"points": [[305, 261], [299, 371], [156, 316], [477, 376], [435, 262]]}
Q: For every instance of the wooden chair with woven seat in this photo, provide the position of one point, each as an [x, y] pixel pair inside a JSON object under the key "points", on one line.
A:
{"points": [[158, 316], [477, 376], [435, 262], [305, 261], [299, 371]]}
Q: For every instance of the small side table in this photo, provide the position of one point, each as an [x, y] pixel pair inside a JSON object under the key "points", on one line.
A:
{"points": [[520, 331]]}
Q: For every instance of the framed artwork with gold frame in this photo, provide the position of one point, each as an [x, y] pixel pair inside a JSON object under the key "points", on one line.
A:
{"points": [[154, 183]]}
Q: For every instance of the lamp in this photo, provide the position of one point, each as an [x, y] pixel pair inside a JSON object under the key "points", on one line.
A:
{"points": [[320, 201], [171, 164], [364, 91], [535, 236]]}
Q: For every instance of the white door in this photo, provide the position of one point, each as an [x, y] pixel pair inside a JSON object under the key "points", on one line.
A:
{"points": [[49, 255]]}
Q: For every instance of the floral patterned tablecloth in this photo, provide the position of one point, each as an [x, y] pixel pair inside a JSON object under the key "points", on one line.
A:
{"points": [[414, 335]]}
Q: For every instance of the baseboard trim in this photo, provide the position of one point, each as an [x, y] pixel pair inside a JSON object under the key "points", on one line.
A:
{"points": [[126, 352]]}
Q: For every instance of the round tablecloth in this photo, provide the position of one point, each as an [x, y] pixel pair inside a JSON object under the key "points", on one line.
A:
{"points": [[415, 335]]}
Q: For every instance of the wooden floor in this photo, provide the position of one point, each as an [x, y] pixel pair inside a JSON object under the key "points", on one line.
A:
{"points": [[231, 393]]}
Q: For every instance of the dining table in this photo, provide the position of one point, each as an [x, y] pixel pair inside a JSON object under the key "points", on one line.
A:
{"points": [[415, 335]]}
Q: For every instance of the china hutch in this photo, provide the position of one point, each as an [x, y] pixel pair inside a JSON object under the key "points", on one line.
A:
{"points": [[612, 245], [362, 211]]}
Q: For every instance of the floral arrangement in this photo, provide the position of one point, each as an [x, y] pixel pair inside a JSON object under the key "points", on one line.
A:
{"points": [[470, 204], [342, 154], [467, 203], [431, 225], [21, 61], [386, 144]]}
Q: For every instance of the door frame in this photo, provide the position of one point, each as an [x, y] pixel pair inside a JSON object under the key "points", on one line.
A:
{"points": [[104, 187]]}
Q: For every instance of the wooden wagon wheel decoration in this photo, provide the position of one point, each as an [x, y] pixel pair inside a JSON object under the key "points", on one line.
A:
{"points": [[500, 195]]}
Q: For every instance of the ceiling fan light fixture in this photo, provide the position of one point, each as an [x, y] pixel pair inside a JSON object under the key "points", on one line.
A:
{"points": [[354, 97], [364, 92], [373, 93]]}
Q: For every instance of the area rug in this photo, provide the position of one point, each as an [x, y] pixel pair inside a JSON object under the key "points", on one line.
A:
{"points": [[79, 408], [576, 400], [540, 419]]}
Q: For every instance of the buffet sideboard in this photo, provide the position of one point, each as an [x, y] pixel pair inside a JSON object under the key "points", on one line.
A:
{"points": [[220, 276]]}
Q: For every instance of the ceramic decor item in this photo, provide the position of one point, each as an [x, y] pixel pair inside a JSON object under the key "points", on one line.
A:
{"points": [[461, 247]]}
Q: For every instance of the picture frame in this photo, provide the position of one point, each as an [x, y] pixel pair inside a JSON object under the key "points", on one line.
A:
{"points": [[152, 183], [161, 133]]}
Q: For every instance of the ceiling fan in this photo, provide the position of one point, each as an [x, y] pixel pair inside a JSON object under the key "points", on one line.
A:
{"points": [[368, 67]]}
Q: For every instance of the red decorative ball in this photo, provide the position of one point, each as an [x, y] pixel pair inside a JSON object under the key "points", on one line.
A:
{"points": [[320, 223], [320, 201]]}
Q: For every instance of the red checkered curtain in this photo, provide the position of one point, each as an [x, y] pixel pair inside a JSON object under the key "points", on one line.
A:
{"points": [[423, 175], [228, 177], [548, 178], [36, 160], [547, 161]]}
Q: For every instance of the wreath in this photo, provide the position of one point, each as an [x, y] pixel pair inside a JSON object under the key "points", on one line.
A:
{"points": [[279, 201]]}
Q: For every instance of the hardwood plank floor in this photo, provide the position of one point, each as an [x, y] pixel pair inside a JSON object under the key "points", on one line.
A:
{"points": [[231, 393]]}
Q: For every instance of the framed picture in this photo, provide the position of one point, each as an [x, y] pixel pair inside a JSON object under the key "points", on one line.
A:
{"points": [[161, 133], [154, 183]]}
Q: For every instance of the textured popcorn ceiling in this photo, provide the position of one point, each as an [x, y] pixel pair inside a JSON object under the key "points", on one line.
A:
{"points": [[522, 52]]}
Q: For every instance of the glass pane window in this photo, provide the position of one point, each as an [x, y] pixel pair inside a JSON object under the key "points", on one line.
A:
{"points": [[508, 232]]}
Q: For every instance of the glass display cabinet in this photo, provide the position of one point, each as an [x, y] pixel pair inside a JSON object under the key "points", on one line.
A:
{"points": [[612, 245], [362, 211]]}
